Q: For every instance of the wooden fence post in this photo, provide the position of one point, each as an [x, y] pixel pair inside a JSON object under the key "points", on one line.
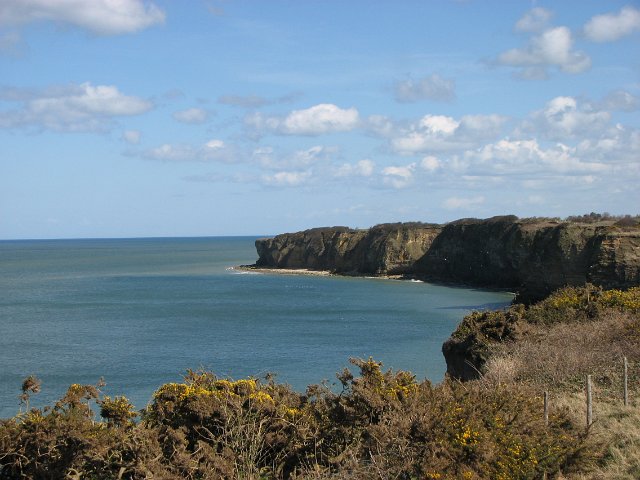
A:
{"points": [[626, 382], [589, 402], [546, 409]]}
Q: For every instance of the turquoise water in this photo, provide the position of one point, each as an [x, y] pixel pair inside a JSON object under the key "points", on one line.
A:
{"points": [[139, 312]]}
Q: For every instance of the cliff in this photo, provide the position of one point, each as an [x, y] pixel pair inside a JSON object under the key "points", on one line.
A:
{"points": [[531, 256], [534, 257], [388, 249]]}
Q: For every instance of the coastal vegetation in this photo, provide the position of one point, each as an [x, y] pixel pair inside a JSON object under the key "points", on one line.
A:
{"points": [[378, 423]]}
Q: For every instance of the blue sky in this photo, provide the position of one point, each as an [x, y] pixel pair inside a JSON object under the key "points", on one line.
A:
{"points": [[125, 118]]}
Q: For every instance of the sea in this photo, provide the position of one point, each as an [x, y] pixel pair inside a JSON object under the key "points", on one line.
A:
{"points": [[140, 312]]}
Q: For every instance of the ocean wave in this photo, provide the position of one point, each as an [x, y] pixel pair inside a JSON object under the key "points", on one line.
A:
{"points": [[234, 271]]}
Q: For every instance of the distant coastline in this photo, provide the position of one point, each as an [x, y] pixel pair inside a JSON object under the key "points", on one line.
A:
{"points": [[531, 256]]}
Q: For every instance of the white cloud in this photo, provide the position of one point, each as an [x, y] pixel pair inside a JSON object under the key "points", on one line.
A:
{"points": [[438, 133], [362, 168], [534, 20], [516, 157], [71, 108], [432, 132], [432, 87], [103, 17], [553, 47], [398, 176], [191, 116], [610, 27], [564, 117], [458, 203], [439, 124], [618, 146], [132, 136], [214, 150], [317, 120]]}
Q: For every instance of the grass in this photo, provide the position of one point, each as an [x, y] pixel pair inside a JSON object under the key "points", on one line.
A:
{"points": [[567, 337]]}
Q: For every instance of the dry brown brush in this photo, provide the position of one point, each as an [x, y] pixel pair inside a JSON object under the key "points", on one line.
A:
{"points": [[382, 424]]}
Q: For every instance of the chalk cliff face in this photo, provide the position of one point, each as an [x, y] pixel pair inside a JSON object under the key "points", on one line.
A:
{"points": [[533, 257]]}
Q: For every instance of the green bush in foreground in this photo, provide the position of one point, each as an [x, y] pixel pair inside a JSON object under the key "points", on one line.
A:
{"points": [[382, 424]]}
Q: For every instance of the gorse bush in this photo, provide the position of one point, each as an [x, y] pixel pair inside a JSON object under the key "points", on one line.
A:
{"points": [[567, 305], [381, 423], [374, 424], [572, 304]]}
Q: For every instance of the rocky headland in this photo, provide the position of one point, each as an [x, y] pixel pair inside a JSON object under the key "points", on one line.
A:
{"points": [[532, 257]]}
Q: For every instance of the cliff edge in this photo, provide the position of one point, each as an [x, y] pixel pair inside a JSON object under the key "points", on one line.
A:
{"points": [[533, 257], [387, 249]]}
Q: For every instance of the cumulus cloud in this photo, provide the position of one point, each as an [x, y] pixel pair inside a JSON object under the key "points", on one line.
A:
{"points": [[102, 17], [432, 87], [70, 108], [551, 48], [564, 117], [517, 157], [535, 20], [438, 133], [613, 26], [458, 203], [317, 120], [214, 150], [400, 176], [191, 116], [618, 147]]}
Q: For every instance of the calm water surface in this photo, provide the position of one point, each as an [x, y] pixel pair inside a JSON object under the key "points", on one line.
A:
{"points": [[140, 312]]}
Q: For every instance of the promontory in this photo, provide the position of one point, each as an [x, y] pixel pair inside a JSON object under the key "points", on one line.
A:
{"points": [[531, 256]]}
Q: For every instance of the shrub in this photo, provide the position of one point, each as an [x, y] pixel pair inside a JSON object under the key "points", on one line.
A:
{"points": [[382, 423]]}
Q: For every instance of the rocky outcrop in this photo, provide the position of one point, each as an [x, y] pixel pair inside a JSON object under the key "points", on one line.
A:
{"points": [[388, 249], [534, 257], [531, 256]]}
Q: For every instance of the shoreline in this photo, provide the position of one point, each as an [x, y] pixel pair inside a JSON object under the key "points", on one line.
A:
{"points": [[373, 276], [318, 273], [284, 271]]}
